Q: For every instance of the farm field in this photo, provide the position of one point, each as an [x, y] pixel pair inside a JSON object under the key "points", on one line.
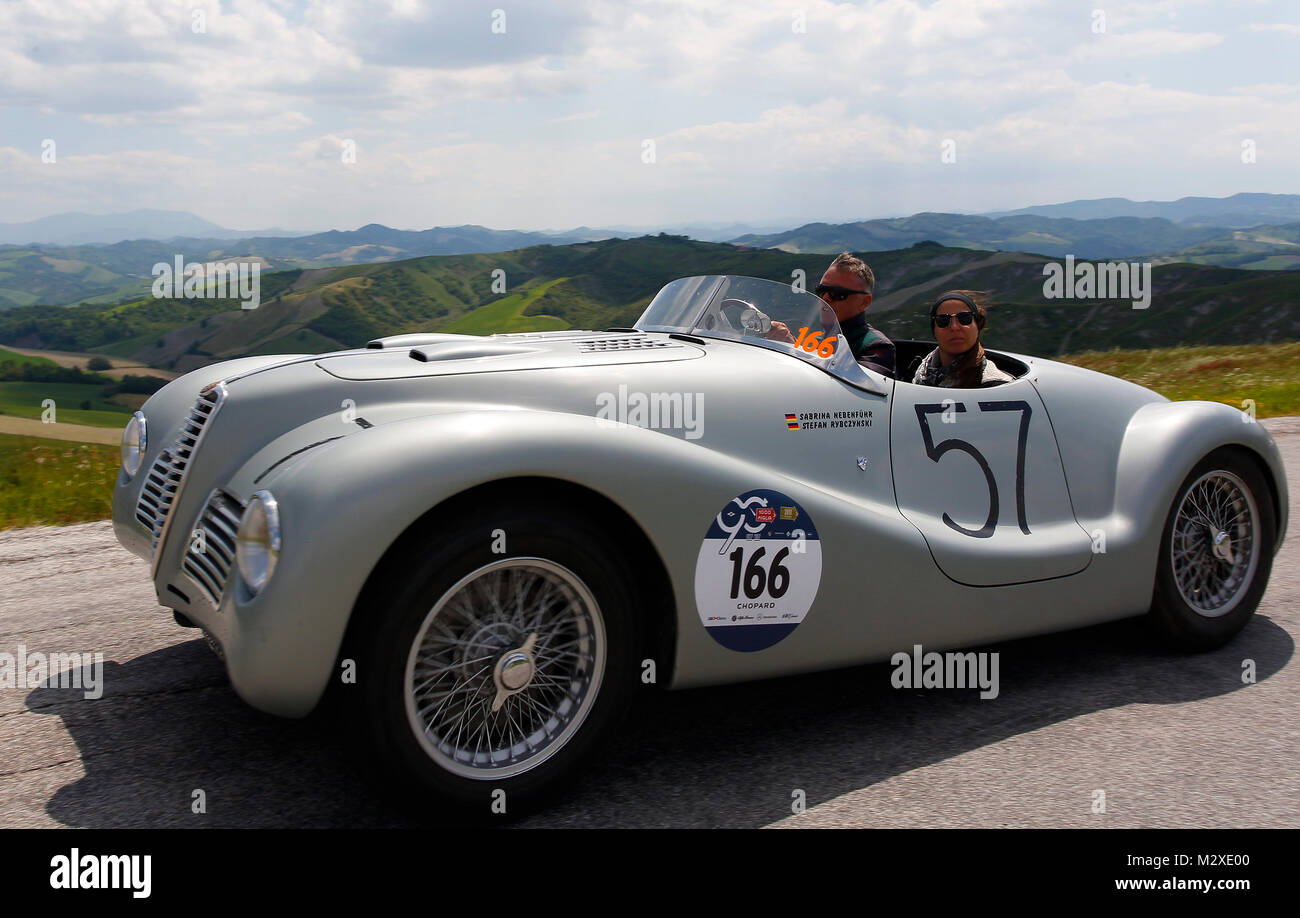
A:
{"points": [[24, 400], [53, 482], [1267, 374]]}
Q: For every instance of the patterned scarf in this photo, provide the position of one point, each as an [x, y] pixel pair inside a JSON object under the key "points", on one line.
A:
{"points": [[965, 372]]}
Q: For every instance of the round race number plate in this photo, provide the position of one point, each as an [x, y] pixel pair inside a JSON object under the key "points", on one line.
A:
{"points": [[758, 570]]}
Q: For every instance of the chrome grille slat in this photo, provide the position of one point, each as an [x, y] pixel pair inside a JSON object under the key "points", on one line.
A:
{"points": [[203, 580], [224, 531], [225, 553], [163, 480], [210, 569], [222, 538]]}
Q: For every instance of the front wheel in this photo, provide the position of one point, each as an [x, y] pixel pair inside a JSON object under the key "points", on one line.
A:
{"points": [[501, 663], [1216, 553]]}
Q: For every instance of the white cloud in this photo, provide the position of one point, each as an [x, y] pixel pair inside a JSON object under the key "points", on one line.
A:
{"points": [[576, 116], [1287, 27], [752, 109], [1144, 44]]}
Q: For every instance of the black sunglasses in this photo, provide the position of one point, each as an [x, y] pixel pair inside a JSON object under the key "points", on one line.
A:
{"points": [[942, 319], [838, 294]]}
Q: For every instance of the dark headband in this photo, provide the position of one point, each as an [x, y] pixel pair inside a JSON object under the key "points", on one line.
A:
{"points": [[954, 295]]}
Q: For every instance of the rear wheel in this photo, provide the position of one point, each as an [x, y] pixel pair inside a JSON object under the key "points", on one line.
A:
{"points": [[490, 676], [1216, 553]]}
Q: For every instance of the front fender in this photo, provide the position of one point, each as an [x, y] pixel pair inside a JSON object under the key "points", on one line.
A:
{"points": [[343, 506]]}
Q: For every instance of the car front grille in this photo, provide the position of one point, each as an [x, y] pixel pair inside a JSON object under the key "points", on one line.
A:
{"points": [[164, 477], [211, 551]]}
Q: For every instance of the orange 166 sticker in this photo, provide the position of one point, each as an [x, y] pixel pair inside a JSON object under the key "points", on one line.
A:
{"points": [[813, 343]]}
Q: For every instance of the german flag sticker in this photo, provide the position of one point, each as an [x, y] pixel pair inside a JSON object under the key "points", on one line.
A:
{"points": [[792, 422]]}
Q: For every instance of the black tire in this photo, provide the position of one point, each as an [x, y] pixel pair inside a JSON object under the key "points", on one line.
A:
{"points": [[1226, 485], [561, 556]]}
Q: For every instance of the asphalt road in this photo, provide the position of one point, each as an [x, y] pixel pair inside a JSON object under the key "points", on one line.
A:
{"points": [[1171, 740]]}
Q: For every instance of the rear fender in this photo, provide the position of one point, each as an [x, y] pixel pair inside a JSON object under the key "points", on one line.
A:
{"points": [[1162, 444]]}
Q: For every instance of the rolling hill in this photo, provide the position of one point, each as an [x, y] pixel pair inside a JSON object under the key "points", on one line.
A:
{"points": [[1271, 248], [1113, 237], [41, 273], [62, 275], [608, 283]]}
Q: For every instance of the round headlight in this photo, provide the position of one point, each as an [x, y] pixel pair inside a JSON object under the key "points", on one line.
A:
{"points": [[135, 441], [257, 543]]}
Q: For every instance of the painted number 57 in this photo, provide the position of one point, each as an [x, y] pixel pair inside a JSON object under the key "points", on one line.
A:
{"points": [[937, 452]]}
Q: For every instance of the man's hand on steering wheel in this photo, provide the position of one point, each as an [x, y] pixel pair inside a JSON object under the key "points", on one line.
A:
{"points": [[780, 332]]}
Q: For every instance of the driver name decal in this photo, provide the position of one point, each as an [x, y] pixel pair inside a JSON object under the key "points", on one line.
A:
{"points": [[828, 420], [758, 571]]}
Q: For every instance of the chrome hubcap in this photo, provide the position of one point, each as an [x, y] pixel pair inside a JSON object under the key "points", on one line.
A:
{"points": [[1214, 540], [505, 668], [513, 672]]}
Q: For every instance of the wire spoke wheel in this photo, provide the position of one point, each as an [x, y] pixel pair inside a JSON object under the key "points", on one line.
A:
{"points": [[1214, 544], [504, 668]]}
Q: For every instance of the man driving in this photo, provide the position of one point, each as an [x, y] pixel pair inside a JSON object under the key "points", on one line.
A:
{"points": [[847, 288]]}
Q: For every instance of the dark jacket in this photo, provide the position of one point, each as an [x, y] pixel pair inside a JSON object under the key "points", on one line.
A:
{"points": [[869, 346]]}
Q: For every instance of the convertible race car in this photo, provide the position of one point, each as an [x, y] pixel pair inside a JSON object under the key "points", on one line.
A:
{"points": [[487, 545]]}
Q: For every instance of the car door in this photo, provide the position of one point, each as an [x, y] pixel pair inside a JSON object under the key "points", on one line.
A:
{"points": [[979, 473]]}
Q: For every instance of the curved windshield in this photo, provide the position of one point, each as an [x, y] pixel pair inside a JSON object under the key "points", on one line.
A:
{"points": [[758, 312]]}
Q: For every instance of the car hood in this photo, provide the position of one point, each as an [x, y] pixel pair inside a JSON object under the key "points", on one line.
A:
{"points": [[407, 356]]}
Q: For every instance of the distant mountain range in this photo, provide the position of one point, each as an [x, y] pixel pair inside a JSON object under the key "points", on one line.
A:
{"points": [[1112, 237], [93, 229], [77, 229], [608, 283], [110, 273], [1235, 212]]}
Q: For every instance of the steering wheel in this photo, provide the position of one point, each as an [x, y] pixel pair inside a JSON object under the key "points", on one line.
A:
{"points": [[748, 318]]}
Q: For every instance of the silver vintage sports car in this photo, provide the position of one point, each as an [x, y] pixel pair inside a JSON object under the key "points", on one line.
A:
{"points": [[487, 545]]}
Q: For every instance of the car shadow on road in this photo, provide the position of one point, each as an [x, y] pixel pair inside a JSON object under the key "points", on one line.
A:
{"points": [[169, 734], [170, 744]]}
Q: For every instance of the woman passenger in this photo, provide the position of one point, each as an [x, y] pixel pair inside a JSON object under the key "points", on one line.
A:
{"points": [[956, 320]]}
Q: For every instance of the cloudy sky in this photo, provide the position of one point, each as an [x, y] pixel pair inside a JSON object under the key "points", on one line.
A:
{"points": [[536, 115]]}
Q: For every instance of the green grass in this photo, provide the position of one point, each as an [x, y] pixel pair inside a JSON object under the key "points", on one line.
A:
{"points": [[126, 347], [10, 296], [52, 482], [24, 359], [302, 341], [23, 400], [506, 315], [1268, 374], [1276, 263]]}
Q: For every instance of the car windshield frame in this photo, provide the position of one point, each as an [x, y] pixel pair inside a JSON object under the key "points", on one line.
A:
{"points": [[760, 313]]}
